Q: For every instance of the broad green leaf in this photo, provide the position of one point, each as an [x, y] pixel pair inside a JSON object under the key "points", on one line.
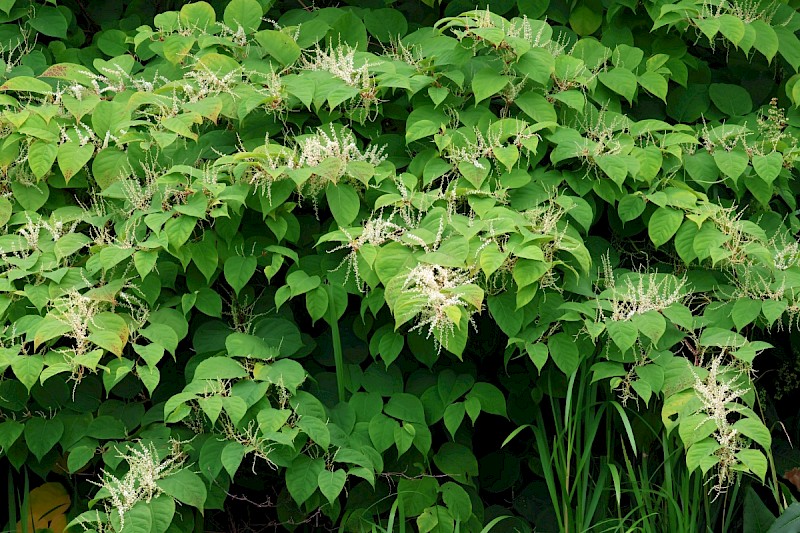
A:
{"points": [[243, 13], [27, 369], [26, 84], [623, 333], [491, 399], [42, 434], [745, 311], [72, 157], [302, 477], [663, 225], [238, 270], [41, 156], [215, 368], [733, 100], [186, 487], [486, 83], [732, 163], [564, 352], [768, 166], [331, 483], [50, 21], [343, 202], [199, 15], [586, 18], [620, 80], [279, 45], [754, 429]]}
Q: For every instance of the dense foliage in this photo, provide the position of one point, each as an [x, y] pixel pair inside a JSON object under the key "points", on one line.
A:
{"points": [[399, 265]]}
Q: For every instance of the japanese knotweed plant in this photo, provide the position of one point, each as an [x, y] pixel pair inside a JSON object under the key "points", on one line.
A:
{"points": [[312, 246]]}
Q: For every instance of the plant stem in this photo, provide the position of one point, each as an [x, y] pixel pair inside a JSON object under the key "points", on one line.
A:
{"points": [[338, 358]]}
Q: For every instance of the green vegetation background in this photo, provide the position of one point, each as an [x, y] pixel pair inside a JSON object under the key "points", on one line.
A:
{"points": [[399, 266]]}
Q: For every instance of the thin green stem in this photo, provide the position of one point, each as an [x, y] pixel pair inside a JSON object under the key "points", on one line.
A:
{"points": [[338, 357]]}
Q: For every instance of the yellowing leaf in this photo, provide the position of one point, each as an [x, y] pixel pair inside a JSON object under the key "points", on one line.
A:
{"points": [[48, 506]]}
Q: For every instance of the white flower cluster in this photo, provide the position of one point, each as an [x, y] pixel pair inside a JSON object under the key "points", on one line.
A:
{"points": [[340, 61], [323, 145], [645, 292], [376, 232], [145, 468], [436, 287], [332, 146], [717, 392]]}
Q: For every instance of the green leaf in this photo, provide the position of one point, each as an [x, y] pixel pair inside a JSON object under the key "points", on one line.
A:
{"points": [[663, 225], [788, 521], [316, 429], [732, 28], [754, 429], [79, 456], [537, 107], [385, 24], [244, 13], [5, 211], [27, 369], [231, 457], [26, 84], [688, 104], [457, 500], [623, 333], [768, 166], [284, 372], [613, 167], [381, 431], [343, 202], [620, 80], [186, 487], [773, 309], [490, 397], [732, 163], [564, 352], [585, 19], [757, 516], [49, 328], [331, 483], [249, 346], [72, 157], [219, 367], [205, 256], [177, 48], [42, 434], [700, 453], [238, 270], [198, 15], [456, 460], [766, 39], [733, 100], [417, 494], [651, 323], [302, 477], [10, 431], [486, 83], [453, 416], [755, 461], [630, 207], [406, 407], [41, 156], [655, 84], [279, 45], [745, 311], [424, 121], [138, 519], [49, 21]]}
